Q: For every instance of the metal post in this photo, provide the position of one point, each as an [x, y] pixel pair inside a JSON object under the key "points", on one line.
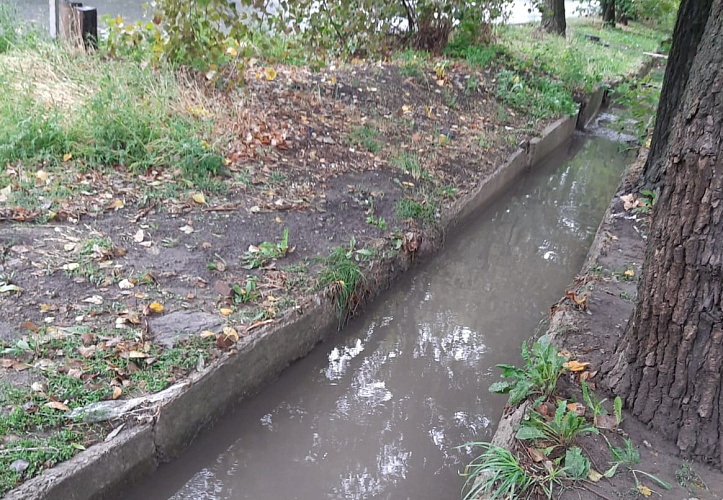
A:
{"points": [[53, 8]]}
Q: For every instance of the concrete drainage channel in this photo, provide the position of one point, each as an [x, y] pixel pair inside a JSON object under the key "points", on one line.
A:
{"points": [[177, 415]]}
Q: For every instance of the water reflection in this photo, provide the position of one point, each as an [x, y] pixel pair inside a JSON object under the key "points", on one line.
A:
{"points": [[379, 412]]}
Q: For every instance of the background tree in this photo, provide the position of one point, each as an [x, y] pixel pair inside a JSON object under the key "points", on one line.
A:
{"points": [[668, 366], [608, 12], [689, 27], [553, 16]]}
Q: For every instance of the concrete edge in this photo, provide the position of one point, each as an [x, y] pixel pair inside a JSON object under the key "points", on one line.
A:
{"points": [[259, 358]]}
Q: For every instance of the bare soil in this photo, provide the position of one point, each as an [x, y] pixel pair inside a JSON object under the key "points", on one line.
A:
{"points": [[592, 336]]}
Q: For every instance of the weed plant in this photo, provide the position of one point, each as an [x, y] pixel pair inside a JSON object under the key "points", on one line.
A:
{"points": [[406, 208], [561, 430], [265, 252], [543, 367], [342, 272]]}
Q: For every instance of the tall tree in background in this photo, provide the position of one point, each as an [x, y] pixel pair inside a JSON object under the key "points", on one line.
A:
{"points": [[692, 17], [608, 12], [668, 367], [553, 16]]}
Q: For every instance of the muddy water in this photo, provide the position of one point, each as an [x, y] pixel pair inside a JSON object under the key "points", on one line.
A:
{"points": [[378, 411]]}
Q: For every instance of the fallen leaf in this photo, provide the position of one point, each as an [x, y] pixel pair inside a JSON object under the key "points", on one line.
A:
{"points": [[87, 352], [116, 204], [578, 408], [629, 273], [20, 367], [72, 266], [156, 307], [594, 475], [138, 237], [117, 391], [125, 284], [77, 446], [576, 366], [231, 333], [9, 288], [536, 454], [225, 311], [186, 229], [206, 334], [56, 405], [606, 422], [644, 490], [67, 156], [270, 73], [199, 198], [41, 175]]}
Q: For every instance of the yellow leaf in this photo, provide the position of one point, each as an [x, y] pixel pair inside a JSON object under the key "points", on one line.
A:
{"points": [[230, 333], [231, 51], [594, 475], [57, 405], [270, 73], [644, 490], [117, 391], [41, 175], [629, 273], [67, 156], [333, 80], [207, 333], [45, 308], [156, 307], [117, 204], [199, 198], [278, 219], [575, 366], [225, 311]]}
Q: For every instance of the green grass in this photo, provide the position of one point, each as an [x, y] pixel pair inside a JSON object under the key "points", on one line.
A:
{"points": [[425, 212], [266, 252], [409, 163], [77, 375], [365, 136], [579, 62], [538, 96], [342, 272]]}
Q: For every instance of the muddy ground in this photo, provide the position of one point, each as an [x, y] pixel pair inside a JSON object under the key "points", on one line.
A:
{"points": [[591, 336], [128, 283]]}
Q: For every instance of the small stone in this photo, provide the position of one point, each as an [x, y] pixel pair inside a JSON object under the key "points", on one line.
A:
{"points": [[19, 465]]}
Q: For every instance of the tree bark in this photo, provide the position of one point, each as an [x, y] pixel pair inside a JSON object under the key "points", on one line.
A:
{"points": [[669, 365], [689, 27], [553, 17], [608, 12]]}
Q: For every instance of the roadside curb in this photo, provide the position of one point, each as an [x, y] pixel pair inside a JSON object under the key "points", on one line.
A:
{"points": [[182, 411]]}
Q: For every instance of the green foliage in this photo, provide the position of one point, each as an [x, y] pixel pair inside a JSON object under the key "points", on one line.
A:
{"points": [[409, 163], [377, 222], [543, 367], [425, 212], [203, 35], [687, 476], [498, 473], [628, 455], [592, 402], [540, 97], [257, 256], [577, 465], [365, 136], [246, 293], [562, 430], [342, 272]]}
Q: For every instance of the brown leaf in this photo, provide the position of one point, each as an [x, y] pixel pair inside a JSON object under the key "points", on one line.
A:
{"points": [[578, 408], [87, 352], [117, 391], [7, 363], [606, 422], [29, 325], [20, 367], [56, 405], [87, 338], [536, 454]]}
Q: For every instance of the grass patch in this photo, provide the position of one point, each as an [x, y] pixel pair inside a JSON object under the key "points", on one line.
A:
{"points": [[258, 256], [424, 212], [342, 272], [366, 137], [538, 96], [79, 367], [579, 62], [409, 163]]}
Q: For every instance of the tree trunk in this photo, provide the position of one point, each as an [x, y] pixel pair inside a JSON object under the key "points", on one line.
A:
{"points": [[608, 12], [669, 365], [692, 16], [553, 17]]}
